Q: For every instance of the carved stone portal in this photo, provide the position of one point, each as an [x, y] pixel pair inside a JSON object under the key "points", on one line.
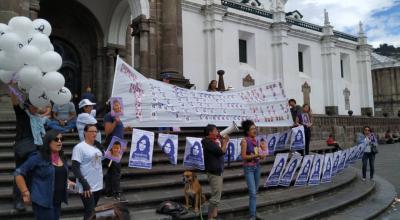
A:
{"points": [[306, 89], [248, 81]]}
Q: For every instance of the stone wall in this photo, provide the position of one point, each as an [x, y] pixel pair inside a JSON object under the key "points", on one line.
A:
{"points": [[386, 86], [345, 128]]}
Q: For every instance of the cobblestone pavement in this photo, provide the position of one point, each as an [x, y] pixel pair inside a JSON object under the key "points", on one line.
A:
{"points": [[387, 165]]}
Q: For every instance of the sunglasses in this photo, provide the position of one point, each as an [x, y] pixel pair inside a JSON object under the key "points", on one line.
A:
{"points": [[57, 139]]}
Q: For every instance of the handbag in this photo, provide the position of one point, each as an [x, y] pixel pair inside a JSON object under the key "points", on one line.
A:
{"points": [[23, 147], [111, 210], [171, 208], [374, 149]]}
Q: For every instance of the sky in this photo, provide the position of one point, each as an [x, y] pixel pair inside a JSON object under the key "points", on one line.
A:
{"points": [[381, 18]]}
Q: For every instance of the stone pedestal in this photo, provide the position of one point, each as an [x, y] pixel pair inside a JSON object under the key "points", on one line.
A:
{"points": [[331, 110], [366, 111], [221, 83]]}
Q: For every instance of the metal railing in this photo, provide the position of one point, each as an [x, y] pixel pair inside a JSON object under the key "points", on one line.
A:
{"points": [[246, 8]]}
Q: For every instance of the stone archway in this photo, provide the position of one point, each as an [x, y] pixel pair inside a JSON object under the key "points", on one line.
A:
{"points": [[77, 33]]}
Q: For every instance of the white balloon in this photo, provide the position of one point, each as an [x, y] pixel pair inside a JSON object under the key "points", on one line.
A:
{"points": [[30, 54], [11, 42], [50, 61], [38, 97], [30, 76], [23, 88], [10, 62], [40, 41], [4, 28], [21, 24], [60, 97], [42, 26], [53, 81], [6, 76]]}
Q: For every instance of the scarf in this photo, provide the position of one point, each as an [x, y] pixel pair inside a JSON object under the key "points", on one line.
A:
{"points": [[37, 127], [55, 157]]}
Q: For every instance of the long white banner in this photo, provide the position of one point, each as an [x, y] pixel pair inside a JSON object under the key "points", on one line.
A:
{"points": [[151, 103]]}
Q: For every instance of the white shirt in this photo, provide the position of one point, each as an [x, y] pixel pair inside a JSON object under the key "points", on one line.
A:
{"points": [[90, 159], [367, 142], [83, 120]]}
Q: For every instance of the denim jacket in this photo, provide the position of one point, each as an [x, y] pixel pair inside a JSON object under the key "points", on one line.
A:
{"points": [[42, 174]]}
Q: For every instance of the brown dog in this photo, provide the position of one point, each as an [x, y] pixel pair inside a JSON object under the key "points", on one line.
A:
{"points": [[192, 190]]}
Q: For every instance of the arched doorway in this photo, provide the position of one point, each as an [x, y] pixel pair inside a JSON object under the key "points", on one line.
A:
{"points": [[78, 38], [71, 67]]}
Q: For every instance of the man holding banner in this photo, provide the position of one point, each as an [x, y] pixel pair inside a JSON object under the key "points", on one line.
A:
{"points": [[214, 164]]}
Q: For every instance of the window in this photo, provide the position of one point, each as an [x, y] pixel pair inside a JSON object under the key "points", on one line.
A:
{"points": [[242, 51], [341, 68], [300, 57], [345, 69]]}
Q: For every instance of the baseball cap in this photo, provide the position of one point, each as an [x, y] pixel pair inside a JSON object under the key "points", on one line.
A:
{"points": [[85, 102]]}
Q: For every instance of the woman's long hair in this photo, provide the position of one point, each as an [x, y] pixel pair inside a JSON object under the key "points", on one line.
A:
{"points": [[45, 150]]}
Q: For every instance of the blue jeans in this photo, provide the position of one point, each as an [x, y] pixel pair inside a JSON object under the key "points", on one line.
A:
{"points": [[55, 125], [371, 158], [43, 213], [252, 174]]}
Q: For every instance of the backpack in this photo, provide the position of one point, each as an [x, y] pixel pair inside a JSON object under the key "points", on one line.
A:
{"points": [[111, 211], [171, 208]]}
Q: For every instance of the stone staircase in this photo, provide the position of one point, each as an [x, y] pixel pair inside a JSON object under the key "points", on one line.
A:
{"points": [[346, 197]]}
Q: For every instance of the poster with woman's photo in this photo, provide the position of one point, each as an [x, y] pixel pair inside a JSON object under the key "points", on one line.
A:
{"points": [[291, 168], [141, 155], [193, 157], [276, 171], [297, 141], [304, 172], [116, 149], [117, 106], [169, 146]]}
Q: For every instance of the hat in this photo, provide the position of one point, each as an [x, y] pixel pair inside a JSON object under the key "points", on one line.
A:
{"points": [[85, 102]]}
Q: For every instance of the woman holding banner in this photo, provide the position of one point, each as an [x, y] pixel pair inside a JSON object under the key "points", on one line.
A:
{"points": [[369, 152], [305, 118], [251, 165]]}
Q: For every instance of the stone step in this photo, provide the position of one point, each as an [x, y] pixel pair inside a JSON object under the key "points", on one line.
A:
{"points": [[237, 207], [234, 197], [370, 207], [147, 182], [317, 207]]}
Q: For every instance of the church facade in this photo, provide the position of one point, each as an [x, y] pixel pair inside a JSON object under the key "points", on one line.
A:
{"points": [[254, 44], [190, 40]]}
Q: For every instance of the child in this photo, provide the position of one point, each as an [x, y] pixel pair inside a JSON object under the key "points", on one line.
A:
{"points": [[113, 176]]}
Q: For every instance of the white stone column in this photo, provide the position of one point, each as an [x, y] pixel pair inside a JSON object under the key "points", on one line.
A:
{"points": [[280, 46], [364, 73], [330, 68], [213, 30]]}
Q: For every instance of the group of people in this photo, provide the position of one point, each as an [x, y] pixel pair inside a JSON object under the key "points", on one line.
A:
{"points": [[41, 162], [215, 147]]}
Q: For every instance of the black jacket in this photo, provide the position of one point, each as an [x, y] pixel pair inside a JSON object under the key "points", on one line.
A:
{"points": [[213, 157]]}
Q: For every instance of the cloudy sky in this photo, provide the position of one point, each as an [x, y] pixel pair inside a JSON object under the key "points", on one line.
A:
{"points": [[381, 18]]}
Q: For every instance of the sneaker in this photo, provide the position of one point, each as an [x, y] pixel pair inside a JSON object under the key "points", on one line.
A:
{"points": [[119, 197], [363, 179], [108, 195]]}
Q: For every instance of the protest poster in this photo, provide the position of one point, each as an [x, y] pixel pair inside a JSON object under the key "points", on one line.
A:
{"points": [[231, 150], [327, 168], [141, 155], [116, 149], [315, 175], [276, 171], [117, 106], [343, 158], [298, 138], [283, 140], [291, 168], [169, 146], [302, 176], [336, 160], [272, 140], [193, 157]]}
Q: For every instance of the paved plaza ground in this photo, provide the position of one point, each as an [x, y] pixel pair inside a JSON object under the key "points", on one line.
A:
{"points": [[387, 165]]}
